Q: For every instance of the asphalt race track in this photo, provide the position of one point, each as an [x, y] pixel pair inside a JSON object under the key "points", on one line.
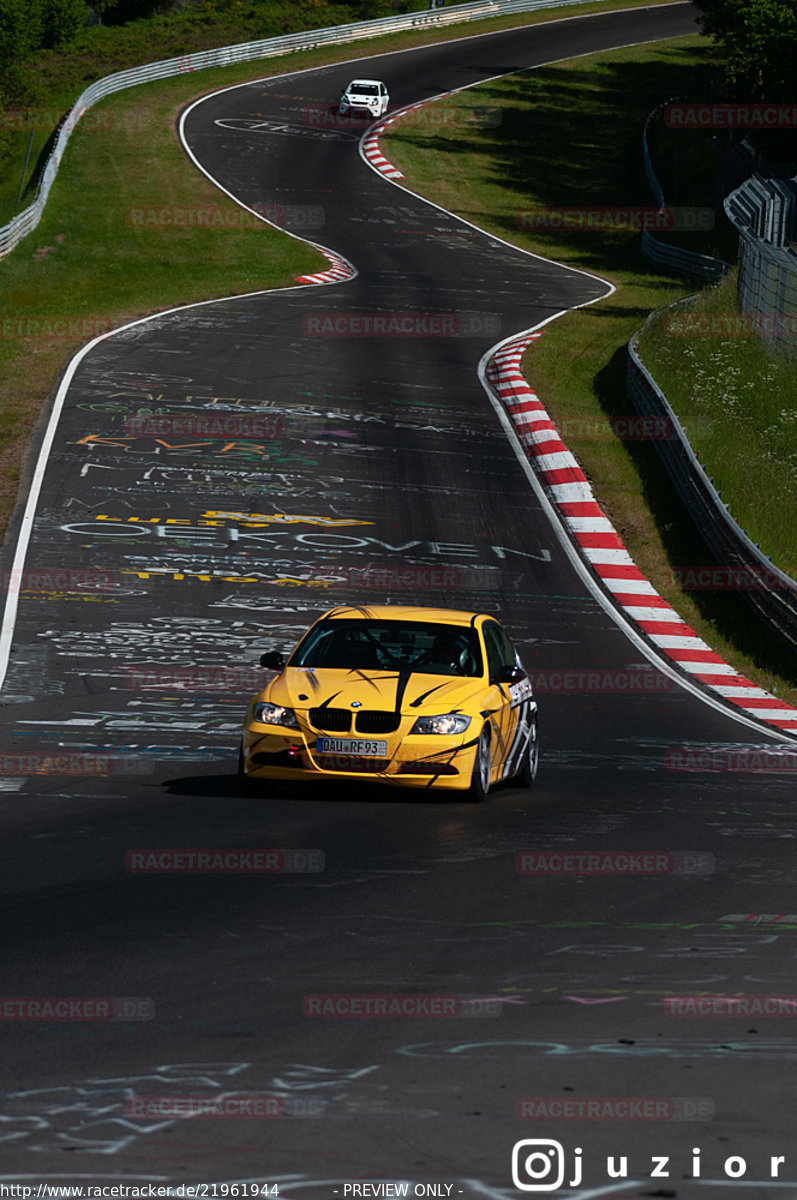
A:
{"points": [[368, 454]]}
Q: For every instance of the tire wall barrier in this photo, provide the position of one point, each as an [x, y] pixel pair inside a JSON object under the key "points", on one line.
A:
{"points": [[769, 590]]}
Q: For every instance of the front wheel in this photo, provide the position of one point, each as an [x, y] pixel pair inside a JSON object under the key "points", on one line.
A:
{"points": [[531, 757], [480, 780]]}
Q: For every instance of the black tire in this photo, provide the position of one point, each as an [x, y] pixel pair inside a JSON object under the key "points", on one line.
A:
{"points": [[531, 757], [480, 779]]}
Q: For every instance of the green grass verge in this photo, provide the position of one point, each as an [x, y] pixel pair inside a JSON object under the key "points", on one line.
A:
{"points": [[571, 135], [737, 398]]}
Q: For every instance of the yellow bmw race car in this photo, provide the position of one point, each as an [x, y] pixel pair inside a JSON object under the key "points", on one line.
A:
{"points": [[416, 697]]}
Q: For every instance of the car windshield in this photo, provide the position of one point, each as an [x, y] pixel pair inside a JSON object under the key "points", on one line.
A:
{"points": [[364, 89], [365, 645]]}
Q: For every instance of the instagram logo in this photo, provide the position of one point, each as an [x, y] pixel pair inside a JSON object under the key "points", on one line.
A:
{"points": [[538, 1165]]}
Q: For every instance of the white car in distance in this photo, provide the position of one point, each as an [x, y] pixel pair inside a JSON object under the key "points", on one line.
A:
{"points": [[368, 96]]}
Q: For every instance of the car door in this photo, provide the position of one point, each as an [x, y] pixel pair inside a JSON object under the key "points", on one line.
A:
{"points": [[503, 717], [524, 711]]}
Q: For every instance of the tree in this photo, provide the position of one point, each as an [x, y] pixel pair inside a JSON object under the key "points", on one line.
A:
{"points": [[20, 32], [61, 20], [117, 12], [20, 37], [758, 40]]}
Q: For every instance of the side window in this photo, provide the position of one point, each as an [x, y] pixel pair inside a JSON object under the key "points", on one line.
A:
{"points": [[493, 642], [510, 654]]}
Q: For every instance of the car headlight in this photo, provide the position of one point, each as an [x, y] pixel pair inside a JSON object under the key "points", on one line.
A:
{"points": [[446, 723], [274, 714]]}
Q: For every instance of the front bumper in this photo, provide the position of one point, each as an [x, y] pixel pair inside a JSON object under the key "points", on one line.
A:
{"points": [[412, 760], [365, 110]]}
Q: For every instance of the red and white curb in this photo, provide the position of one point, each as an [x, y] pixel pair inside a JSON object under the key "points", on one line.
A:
{"points": [[370, 143], [340, 269], [370, 148], [568, 488]]}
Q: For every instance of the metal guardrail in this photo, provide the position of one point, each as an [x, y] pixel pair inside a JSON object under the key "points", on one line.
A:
{"points": [[683, 262], [653, 182], [21, 225], [770, 591], [764, 212]]}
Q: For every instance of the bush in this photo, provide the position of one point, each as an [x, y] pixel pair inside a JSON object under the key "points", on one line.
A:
{"points": [[118, 12], [60, 21], [20, 37]]}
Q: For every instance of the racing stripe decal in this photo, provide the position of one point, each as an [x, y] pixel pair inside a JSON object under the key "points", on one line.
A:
{"points": [[520, 740], [425, 695]]}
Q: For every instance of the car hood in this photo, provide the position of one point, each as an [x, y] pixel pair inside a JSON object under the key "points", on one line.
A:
{"points": [[385, 691]]}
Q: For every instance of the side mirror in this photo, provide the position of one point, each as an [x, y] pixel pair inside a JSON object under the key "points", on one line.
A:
{"points": [[510, 675], [273, 660]]}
